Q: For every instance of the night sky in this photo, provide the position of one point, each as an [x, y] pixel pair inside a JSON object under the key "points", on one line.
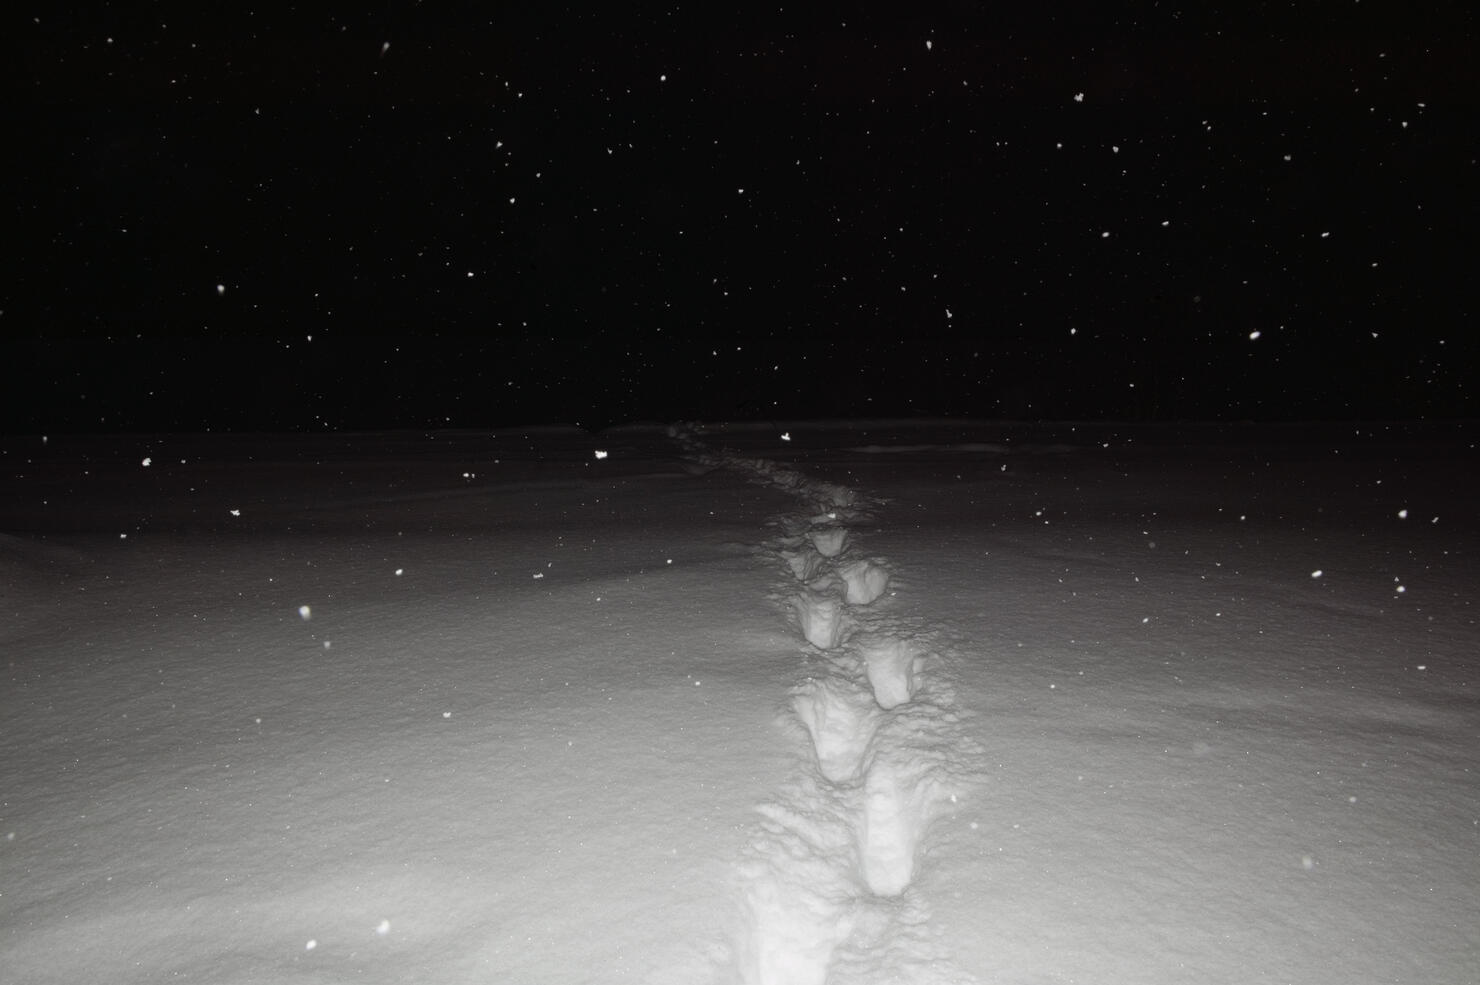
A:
{"points": [[442, 215]]}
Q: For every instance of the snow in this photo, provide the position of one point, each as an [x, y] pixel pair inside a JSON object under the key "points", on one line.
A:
{"points": [[866, 702]]}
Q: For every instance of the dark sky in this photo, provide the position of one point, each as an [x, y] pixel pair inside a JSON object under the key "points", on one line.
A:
{"points": [[437, 214]]}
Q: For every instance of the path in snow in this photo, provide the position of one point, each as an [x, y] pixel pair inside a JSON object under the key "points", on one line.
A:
{"points": [[827, 887], [1226, 679]]}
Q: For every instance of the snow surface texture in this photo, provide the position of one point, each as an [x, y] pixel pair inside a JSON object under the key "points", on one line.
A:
{"points": [[884, 702]]}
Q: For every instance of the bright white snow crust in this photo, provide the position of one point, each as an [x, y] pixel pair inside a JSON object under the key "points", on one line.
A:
{"points": [[878, 702]]}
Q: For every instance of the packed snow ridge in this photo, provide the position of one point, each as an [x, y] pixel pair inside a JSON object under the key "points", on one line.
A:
{"points": [[826, 887]]}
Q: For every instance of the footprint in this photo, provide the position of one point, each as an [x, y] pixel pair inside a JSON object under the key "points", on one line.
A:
{"points": [[894, 820], [797, 904], [804, 563], [829, 541], [866, 581], [821, 618], [832, 496], [789, 941], [841, 720], [893, 669]]}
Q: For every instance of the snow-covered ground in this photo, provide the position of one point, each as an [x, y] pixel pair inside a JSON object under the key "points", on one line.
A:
{"points": [[775, 705]]}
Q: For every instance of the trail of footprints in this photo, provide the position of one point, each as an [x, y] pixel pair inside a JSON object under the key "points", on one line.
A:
{"points": [[826, 888]]}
